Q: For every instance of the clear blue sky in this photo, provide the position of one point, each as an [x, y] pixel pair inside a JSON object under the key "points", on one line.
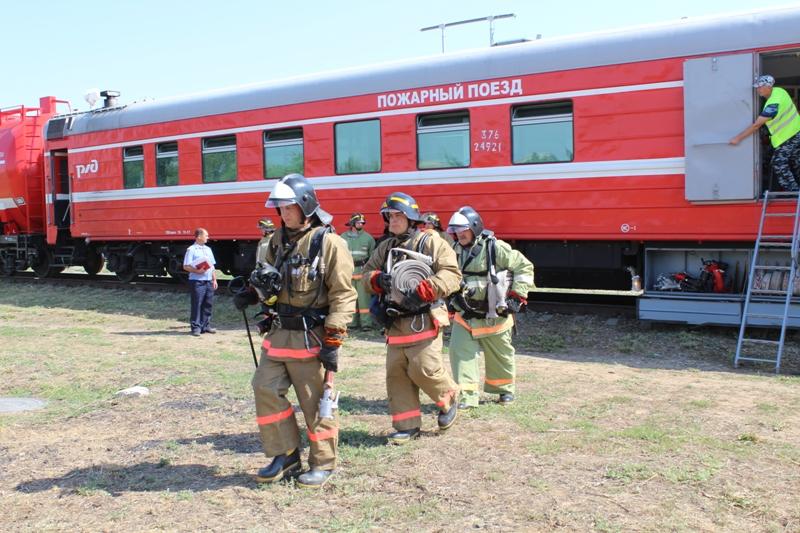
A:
{"points": [[155, 49]]}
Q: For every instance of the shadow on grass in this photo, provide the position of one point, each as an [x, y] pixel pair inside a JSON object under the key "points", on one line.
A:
{"points": [[359, 438], [122, 302], [250, 442], [158, 333], [143, 477], [358, 405]]}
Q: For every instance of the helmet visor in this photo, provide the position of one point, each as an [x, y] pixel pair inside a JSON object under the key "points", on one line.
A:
{"points": [[458, 222], [279, 202], [281, 195], [456, 229]]}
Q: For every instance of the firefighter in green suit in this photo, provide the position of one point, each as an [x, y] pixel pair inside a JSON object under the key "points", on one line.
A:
{"points": [[361, 245], [497, 280]]}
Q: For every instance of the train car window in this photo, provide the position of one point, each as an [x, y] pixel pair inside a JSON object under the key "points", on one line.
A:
{"points": [[133, 167], [542, 133], [443, 140], [283, 152], [358, 146], [167, 164], [219, 159]]}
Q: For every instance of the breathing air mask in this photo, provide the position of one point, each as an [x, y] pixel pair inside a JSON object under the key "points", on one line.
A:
{"points": [[267, 282]]}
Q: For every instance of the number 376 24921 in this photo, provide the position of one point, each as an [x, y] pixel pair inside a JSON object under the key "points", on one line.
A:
{"points": [[490, 142]]}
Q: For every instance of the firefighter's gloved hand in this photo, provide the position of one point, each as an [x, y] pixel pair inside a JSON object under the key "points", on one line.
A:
{"points": [[329, 351], [516, 303], [329, 355], [265, 325], [244, 298], [381, 282], [419, 297]]}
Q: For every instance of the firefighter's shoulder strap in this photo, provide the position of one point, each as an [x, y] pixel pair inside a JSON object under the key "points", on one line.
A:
{"points": [[491, 255], [315, 248], [420, 247]]}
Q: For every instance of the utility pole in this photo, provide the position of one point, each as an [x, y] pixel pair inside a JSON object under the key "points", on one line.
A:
{"points": [[490, 18]]}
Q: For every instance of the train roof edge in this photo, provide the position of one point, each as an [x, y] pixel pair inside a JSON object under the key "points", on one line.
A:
{"points": [[685, 37]]}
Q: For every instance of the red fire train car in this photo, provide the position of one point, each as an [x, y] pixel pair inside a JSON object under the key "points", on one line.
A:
{"points": [[593, 154], [23, 212]]}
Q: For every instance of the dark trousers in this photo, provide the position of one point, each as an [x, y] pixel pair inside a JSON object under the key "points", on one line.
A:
{"points": [[202, 303], [786, 163]]}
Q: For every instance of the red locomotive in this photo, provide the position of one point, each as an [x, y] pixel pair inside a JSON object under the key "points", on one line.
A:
{"points": [[585, 151]]}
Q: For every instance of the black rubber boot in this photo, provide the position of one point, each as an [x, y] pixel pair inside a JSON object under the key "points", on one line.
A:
{"points": [[314, 479], [281, 467], [403, 437], [505, 398], [446, 420]]}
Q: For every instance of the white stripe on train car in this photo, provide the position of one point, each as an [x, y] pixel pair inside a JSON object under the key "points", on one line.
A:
{"points": [[409, 110], [49, 200], [549, 171]]}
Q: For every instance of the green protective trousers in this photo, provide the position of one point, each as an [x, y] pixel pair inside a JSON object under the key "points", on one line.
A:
{"points": [[498, 353], [361, 318]]}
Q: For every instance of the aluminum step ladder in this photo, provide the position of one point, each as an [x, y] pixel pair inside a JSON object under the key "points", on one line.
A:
{"points": [[772, 212]]}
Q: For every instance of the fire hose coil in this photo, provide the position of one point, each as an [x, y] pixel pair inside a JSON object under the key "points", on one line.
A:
{"points": [[406, 275]]}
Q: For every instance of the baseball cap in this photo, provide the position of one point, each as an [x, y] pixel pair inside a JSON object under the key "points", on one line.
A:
{"points": [[764, 80]]}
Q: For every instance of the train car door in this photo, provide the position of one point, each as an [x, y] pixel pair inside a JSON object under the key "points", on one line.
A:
{"points": [[60, 190], [718, 100]]}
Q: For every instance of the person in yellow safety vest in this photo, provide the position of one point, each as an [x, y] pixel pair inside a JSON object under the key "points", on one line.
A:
{"points": [[311, 294], [477, 327], [780, 116], [361, 245], [267, 228], [433, 222], [410, 305]]}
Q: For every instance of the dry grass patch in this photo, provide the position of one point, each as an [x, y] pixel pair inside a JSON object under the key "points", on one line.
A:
{"points": [[615, 429]]}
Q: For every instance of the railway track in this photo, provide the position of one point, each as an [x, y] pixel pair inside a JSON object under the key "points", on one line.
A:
{"points": [[539, 303]]}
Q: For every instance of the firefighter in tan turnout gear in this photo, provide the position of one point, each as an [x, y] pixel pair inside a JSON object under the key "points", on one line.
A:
{"points": [[497, 280], [412, 272], [306, 286]]}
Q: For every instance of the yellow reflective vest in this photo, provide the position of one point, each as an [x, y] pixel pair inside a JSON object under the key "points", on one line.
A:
{"points": [[786, 124]]}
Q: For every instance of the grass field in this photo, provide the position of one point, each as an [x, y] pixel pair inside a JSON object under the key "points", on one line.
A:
{"points": [[617, 427]]}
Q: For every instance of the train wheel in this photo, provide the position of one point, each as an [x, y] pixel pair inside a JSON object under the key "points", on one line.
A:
{"points": [[94, 262], [176, 271], [126, 276], [41, 263]]}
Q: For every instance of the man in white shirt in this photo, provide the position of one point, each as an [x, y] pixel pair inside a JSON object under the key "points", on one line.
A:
{"points": [[199, 263]]}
